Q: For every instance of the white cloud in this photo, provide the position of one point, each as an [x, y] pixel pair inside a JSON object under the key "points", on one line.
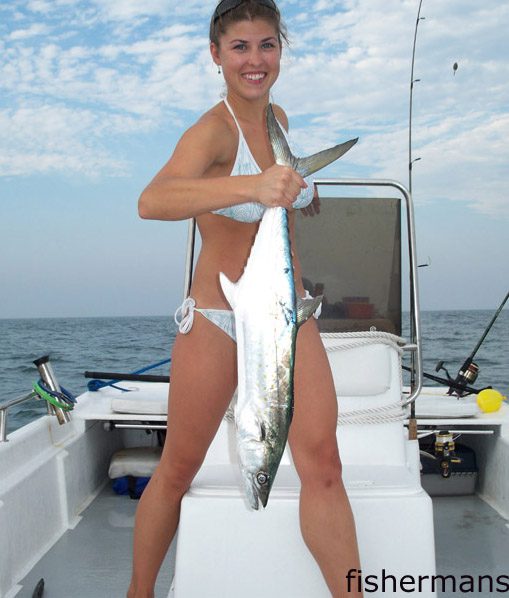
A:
{"points": [[34, 30], [466, 160], [357, 63], [131, 9], [48, 139], [128, 9], [146, 64], [40, 6]]}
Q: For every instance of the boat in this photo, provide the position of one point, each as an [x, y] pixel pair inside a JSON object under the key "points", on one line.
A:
{"points": [[424, 524]]}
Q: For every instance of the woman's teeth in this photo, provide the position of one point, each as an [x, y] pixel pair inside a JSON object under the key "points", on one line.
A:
{"points": [[254, 77]]}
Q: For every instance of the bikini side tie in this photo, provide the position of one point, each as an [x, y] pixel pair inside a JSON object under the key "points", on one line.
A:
{"points": [[184, 316]]}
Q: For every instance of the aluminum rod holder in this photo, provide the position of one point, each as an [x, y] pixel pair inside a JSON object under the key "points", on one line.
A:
{"points": [[48, 376]]}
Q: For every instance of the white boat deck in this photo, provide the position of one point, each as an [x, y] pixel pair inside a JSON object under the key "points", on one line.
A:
{"points": [[93, 560]]}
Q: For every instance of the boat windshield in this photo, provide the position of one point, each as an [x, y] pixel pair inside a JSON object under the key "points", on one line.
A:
{"points": [[351, 254]]}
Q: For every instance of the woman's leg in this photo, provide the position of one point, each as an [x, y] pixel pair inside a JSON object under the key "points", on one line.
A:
{"points": [[326, 518], [203, 380]]}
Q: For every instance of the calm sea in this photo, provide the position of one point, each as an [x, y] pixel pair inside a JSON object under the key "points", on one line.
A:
{"points": [[128, 344]]}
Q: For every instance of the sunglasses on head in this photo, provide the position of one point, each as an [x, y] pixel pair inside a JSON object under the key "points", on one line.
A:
{"points": [[226, 5]]}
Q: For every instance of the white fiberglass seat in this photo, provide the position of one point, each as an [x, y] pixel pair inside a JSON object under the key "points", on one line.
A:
{"points": [[243, 553]]}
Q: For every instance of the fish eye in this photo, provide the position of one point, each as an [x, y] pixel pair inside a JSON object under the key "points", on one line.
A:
{"points": [[262, 478]]}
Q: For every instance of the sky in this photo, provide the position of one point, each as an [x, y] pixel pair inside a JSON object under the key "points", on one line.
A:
{"points": [[94, 95]]}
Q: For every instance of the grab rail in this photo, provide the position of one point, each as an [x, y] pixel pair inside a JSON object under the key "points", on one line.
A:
{"points": [[415, 328], [414, 346], [3, 412]]}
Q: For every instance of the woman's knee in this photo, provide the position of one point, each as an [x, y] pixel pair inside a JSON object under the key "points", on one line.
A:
{"points": [[318, 463], [177, 473]]}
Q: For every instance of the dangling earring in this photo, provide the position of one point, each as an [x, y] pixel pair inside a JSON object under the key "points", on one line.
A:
{"points": [[218, 69]]}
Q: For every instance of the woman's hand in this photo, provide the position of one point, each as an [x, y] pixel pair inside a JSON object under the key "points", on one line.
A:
{"points": [[314, 207], [279, 186]]}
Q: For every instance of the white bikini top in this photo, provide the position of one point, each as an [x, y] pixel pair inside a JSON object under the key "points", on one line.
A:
{"points": [[245, 164]]}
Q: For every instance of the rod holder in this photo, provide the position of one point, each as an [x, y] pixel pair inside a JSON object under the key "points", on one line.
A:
{"points": [[48, 377]]}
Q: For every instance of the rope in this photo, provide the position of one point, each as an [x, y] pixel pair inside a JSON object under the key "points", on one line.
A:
{"points": [[372, 333], [95, 385], [393, 412], [387, 413], [376, 415], [359, 340]]}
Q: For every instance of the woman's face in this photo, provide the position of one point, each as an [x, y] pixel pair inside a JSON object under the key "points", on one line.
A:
{"points": [[249, 54]]}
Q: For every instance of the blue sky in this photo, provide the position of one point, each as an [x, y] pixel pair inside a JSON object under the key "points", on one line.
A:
{"points": [[95, 93]]}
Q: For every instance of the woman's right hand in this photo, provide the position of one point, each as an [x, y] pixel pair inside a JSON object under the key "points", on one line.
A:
{"points": [[279, 186]]}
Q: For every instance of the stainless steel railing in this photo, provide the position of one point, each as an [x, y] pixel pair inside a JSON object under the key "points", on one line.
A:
{"points": [[3, 412], [414, 346], [415, 328]]}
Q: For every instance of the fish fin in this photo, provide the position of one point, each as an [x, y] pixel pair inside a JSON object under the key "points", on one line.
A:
{"points": [[229, 289], [280, 147], [306, 308], [311, 164], [304, 166]]}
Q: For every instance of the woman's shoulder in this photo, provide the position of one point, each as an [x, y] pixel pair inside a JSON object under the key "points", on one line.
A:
{"points": [[214, 122], [212, 127]]}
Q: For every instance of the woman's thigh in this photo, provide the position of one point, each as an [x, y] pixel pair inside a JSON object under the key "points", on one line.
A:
{"points": [[203, 380], [312, 436]]}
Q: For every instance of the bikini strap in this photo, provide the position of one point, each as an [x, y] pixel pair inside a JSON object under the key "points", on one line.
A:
{"points": [[230, 110]]}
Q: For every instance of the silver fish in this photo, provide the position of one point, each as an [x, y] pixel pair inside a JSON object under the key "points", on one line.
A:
{"points": [[304, 166], [267, 316]]}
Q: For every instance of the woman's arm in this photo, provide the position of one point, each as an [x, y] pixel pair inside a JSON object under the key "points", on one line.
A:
{"points": [[186, 186]]}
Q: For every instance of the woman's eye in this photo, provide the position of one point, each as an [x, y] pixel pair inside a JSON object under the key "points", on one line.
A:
{"points": [[240, 47], [268, 45]]}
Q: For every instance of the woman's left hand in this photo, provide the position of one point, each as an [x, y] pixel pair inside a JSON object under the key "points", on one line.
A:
{"points": [[314, 207]]}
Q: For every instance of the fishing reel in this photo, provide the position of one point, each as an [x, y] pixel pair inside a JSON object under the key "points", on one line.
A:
{"points": [[469, 370], [467, 376], [445, 451]]}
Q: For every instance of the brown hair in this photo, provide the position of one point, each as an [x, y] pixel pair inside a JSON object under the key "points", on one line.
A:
{"points": [[247, 10]]}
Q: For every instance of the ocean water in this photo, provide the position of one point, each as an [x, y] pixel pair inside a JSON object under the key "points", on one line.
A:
{"points": [[75, 345], [130, 343]]}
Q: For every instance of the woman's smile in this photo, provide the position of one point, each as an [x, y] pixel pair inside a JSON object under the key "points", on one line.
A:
{"points": [[250, 55], [255, 78]]}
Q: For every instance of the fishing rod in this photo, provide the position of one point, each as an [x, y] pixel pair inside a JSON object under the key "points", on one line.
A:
{"points": [[449, 382], [469, 371], [117, 377]]}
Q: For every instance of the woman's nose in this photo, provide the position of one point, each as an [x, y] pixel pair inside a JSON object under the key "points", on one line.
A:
{"points": [[255, 57]]}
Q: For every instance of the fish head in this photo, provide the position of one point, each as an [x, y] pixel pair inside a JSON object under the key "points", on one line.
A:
{"points": [[258, 471], [261, 442], [261, 484]]}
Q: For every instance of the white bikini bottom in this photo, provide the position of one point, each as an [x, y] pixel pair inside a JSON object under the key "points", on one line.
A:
{"points": [[222, 318]]}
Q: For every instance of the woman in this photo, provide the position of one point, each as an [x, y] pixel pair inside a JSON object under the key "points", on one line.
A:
{"points": [[222, 173]]}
